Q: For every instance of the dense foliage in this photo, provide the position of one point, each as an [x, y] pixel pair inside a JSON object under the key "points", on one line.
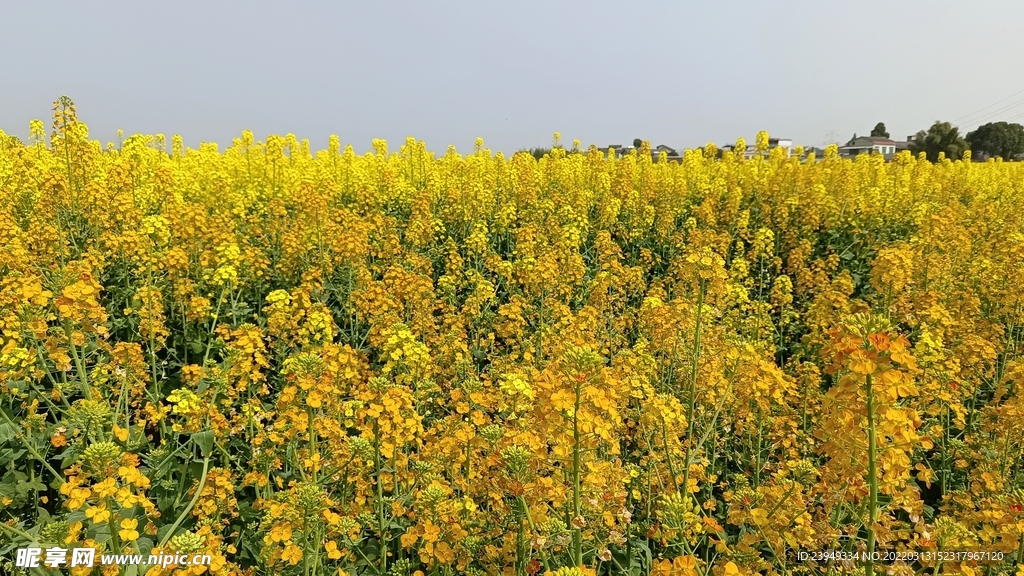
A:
{"points": [[401, 363], [942, 138], [1002, 139]]}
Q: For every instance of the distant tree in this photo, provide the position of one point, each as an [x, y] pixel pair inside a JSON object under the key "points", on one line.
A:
{"points": [[879, 131], [941, 137], [998, 139], [637, 143], [539, 153]]}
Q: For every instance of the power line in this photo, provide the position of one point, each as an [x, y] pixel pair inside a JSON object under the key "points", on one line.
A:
{"points": [[1021, 115], [989, 106], [994, 114]]}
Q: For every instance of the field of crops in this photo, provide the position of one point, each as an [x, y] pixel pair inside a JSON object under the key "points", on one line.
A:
{"points": [[323, 363]]}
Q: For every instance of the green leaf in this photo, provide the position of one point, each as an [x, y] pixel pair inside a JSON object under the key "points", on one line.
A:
{"points": [[145, 545], [205, 442], [24, 487], [164, 503], [6, 432], [160, 533]]}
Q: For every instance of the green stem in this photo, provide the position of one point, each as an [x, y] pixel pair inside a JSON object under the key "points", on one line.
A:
{"points": [[49, 374], [380, 499], [668, 456], [188, 508], [469, 454], [212, 334], [690, 408], [31, 449], [577, 533], [114, 538], [520, 556], [17, 532], [79, 363], [872, 480], [312, 443], [152, 336], [533, 528]]}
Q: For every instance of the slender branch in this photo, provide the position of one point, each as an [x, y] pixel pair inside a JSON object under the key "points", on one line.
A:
{"points": [[188, 508], [32, 450]]}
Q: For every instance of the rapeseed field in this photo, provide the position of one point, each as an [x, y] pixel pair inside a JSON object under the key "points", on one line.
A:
{"points": [[408, 363]]}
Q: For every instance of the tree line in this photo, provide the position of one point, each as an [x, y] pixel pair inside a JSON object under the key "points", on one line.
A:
{"points": [[996, 139]]}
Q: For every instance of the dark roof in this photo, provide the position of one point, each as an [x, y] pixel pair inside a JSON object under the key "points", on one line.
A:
{"points": [[869, 141], [671, 152]]}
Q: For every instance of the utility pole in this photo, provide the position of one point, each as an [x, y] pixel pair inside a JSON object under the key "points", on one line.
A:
{"points": [[831, 137]]}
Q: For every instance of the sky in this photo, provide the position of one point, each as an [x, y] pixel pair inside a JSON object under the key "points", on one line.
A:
{"points": [[604, 72]]}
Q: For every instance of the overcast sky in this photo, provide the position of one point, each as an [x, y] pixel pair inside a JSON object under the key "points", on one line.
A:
{"points": [[676, 73]]}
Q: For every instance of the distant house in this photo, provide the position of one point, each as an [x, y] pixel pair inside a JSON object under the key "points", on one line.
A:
{"points": [[784, 143], [819, 153], [620, 151], [670, 153], [867, 145], [748, 153]]}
